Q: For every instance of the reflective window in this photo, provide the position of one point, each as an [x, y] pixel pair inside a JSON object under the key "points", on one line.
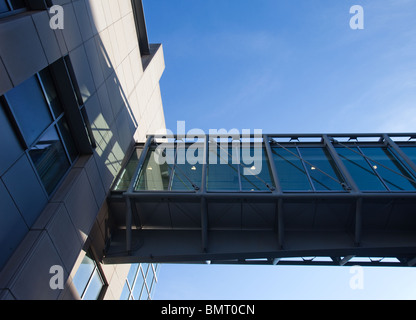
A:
{"points": [[88, 281], [389, 168], [234, 169], [322, 169], [140, 282], [223, 174], [155, 173], [30, 109], [50, 92], [187, 171], [290, 169], [363, 174], [42, 124], [10, 5], [126, 175], [410, 152], [50, 159]]}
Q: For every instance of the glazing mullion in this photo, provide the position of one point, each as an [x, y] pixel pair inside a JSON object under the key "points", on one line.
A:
{"points": [[305, 168]]}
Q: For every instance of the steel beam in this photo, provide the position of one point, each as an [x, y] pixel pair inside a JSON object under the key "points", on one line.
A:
{"points": [[400, 152], [340, 165]]}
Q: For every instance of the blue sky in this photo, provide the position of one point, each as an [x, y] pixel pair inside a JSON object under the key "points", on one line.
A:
{"points": [[285, 66]]}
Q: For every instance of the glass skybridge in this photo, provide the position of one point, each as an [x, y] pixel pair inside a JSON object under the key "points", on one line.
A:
{"points": [[314, 199]]}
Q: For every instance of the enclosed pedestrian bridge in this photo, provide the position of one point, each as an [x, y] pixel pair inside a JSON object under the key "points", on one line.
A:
{"points": [[299, 199]]}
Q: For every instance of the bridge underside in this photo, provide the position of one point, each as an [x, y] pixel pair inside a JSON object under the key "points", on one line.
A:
{"points": [[327, 231], [317, 201]]}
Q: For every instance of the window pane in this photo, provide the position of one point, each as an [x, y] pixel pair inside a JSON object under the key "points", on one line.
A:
{"points": [[410, 152], [186, 173], [260, 180], [50, 159], [138, 286], [30, 109], [123, 182], [50, 90], [362, 173], [68, 140], [17, 4], [394, 181], [318, 158], [155, 176], [125, 293], [290, 170], [3, 6], [94, 287], [132, 273], [222, 175], [83, 274]]}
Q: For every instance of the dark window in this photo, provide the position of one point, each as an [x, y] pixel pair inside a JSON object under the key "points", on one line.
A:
{"points": [[290, 170], [360, 169], [389, 168], [321, 169], [41, 122], [7, 6]]}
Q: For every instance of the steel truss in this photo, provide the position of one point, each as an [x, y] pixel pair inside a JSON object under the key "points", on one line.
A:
{"points": [[349, 227]]}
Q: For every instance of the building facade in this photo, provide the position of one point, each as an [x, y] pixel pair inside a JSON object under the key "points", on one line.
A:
{"points": [[74, 101]]}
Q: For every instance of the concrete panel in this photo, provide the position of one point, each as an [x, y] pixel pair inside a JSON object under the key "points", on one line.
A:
{"points": [[95, 181], [26, 190], [71, 31], [47, 36], [94, 61], [12, 226], [32, 280], [81, 205], [64, 236], [83, 19], [5, 82]]}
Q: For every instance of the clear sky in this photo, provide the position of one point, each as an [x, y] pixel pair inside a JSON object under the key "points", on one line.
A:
{"points": [[285, 66]]}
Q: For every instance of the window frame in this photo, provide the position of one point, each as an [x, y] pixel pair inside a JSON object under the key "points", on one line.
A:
{"points": [[27, 147], [91, 254], [377, 144]]}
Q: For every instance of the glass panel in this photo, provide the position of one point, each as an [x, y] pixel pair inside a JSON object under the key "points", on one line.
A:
{"points": [[319, 158], [17, 4], [186, 172], [123, 182], [290, 170], [83, 274], [360, 170], [132, 273], [154, 176], [68, 140], [3, 6], [50, 90], [50, 159], [259, 180], [222, 175], [30, 109], [410, 152], [138, 286], [94, 287], [394, 181], [125, 293]]}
